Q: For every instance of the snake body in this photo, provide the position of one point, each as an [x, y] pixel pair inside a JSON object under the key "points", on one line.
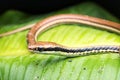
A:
{"points": [[58, 49]]}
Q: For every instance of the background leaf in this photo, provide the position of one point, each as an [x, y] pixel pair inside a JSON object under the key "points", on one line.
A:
{"points": [[17, 63]]}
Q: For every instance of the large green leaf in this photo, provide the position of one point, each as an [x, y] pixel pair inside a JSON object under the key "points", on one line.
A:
{"points": [[17, 63]]}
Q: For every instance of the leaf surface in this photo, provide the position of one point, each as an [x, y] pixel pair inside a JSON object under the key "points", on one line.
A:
{"points": [[17, 63]]}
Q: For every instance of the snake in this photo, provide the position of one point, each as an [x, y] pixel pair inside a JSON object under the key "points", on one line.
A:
{"points": [[53, 48]]}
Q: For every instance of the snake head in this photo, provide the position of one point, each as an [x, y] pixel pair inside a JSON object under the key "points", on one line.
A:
{"points": [[36, 48]]}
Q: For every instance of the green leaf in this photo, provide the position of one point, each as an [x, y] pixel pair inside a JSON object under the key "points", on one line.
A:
{"points": [[17, 63]]}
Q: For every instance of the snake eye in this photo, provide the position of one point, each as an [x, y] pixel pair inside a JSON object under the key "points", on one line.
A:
{"points": [[35, 49], [40, 49]]}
